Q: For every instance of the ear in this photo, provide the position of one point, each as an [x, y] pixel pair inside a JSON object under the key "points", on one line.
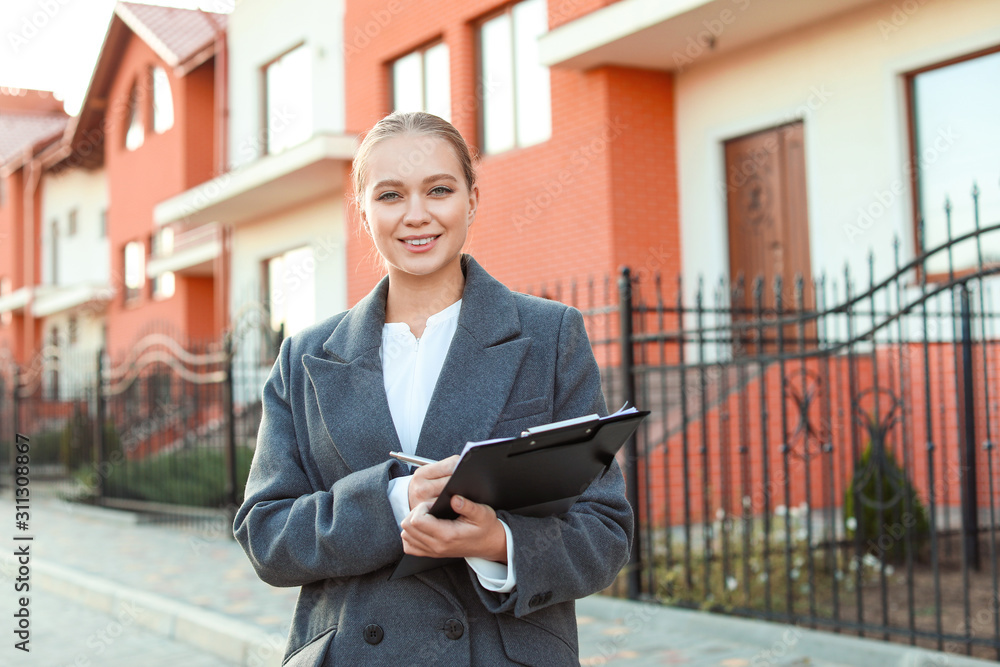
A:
{"points": [[364, 220], [473, 203]]}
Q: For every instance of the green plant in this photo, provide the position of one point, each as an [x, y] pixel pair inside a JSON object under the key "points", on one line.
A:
{"points": [[890, 517], [194, 477]]}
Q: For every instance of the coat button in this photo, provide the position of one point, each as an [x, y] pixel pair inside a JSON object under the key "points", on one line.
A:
{"points": [[373, 634], [453, 628]]}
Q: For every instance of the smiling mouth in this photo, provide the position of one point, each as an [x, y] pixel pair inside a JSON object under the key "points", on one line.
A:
{"points": [[420, 242]]}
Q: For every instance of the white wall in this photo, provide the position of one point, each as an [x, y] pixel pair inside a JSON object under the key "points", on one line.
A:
{"points": [[844, 78], [319, 225], [77, 361], [84, 257], [260, 31]]}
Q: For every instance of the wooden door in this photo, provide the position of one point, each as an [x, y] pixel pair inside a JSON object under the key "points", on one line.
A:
{"points": [[768, 217]]}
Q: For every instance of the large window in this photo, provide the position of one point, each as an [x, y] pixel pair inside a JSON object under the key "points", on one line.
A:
{"points": [[516, 101], [135, 270], [135, 132], [287, 100], [291, 290], [956, 136], [6, 317], [420, 82], [163, 101]]}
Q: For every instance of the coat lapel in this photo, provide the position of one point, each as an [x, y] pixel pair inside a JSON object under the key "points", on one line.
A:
{"points": [[476, 379], [349, 390], [479, 370]]}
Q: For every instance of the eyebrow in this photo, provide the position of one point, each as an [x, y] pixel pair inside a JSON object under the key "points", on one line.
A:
{"points": [[394, 183]]}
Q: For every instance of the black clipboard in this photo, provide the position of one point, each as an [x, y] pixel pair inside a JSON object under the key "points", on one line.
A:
{"points": [[536, 474]]}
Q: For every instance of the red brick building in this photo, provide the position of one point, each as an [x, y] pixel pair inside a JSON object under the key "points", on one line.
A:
{"points": [[595, 191]]}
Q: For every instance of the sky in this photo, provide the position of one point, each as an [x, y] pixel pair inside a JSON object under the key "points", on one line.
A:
{"points": [[53, 44]]}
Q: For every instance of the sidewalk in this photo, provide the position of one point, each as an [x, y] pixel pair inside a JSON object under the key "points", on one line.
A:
{"points": [[181, 592]]}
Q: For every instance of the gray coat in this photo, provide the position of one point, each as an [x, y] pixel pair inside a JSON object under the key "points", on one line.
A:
{"points": [[317, 514]]}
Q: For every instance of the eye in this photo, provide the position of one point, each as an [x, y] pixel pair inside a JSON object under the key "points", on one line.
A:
{"points": [[387, 196], [441, 190]]}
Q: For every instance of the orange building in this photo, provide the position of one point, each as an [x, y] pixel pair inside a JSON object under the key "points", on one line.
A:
{"points": [[30, 120], [571, 188], [149, 117]]}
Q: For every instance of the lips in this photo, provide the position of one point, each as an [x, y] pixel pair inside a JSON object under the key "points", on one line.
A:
{"points": [[420, 243]]}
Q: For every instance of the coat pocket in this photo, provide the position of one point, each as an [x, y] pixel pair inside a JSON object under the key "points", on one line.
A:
{"points": [[315, 652]]}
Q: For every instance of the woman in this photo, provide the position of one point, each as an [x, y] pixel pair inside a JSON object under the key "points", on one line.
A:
{"points": [[439, 353]]}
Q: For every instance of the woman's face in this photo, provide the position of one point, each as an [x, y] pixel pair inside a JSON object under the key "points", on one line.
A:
{"points": [[416, 204]]}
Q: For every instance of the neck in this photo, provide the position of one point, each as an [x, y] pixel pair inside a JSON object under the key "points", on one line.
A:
{"points": [[412, 299]]}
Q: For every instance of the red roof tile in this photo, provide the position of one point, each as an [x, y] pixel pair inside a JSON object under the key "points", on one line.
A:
{"points": [[175, 34], [19, 131]]}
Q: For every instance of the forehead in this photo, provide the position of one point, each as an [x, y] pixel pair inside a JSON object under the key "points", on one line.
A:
{"points": [[410, 157]]}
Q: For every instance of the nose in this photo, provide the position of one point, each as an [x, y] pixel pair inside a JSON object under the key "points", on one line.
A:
{"points": [[416, 212]]}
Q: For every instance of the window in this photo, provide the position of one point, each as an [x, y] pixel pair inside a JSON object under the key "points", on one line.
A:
{"points": [[516, 102], [955, 135], [5, 288], [135, 133], [71, 224], [72, 330], [54, 249], [164, 285], [135, 270], [291, 290], [163, 101], [288, 100], [420, 82]]}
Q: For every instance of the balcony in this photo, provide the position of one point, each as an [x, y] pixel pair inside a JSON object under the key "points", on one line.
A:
{"points": [[53, 299], [273, 183], [669, 34], [189, 253]]}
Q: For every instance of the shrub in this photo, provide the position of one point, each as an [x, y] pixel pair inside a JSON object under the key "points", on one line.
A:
{"points": [[902, 513]]}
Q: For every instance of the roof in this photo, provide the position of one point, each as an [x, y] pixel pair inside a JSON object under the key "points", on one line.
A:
{"points": [[19, 132], [182, 38], [176, 35], [28, 120]]}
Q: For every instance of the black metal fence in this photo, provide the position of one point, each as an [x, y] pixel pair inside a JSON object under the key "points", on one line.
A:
{"points": [[820, 453], [167, 429]]}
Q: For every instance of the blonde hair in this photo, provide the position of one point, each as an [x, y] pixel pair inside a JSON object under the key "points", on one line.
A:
{"points": [[410, 122]]}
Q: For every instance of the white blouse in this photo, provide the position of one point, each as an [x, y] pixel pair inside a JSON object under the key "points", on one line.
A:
{"points": [[410, 370]]}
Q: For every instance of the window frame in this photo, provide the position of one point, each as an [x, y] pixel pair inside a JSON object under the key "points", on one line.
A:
{"points": [[133, 295], [153, 97], [265, 125], [134, 115], [422, 50], [909, 88], [506, 9]]}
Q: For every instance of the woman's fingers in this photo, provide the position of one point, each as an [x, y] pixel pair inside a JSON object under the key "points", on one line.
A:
{"points": [[429, 480]]}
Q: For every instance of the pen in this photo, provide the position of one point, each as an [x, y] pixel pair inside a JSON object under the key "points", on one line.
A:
{"points": [[411, 459]]}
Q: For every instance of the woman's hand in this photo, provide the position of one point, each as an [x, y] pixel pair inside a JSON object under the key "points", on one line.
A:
{"points": [[429, 480], [477, 532]]}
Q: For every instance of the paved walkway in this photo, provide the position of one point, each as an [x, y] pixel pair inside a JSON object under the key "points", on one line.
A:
{"points": [[107, 590]]}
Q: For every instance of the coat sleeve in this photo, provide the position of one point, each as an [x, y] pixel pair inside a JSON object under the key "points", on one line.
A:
{"points": [[580, 552], [294, 534]]}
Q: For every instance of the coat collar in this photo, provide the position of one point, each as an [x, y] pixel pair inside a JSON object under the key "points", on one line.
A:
{"points": [[475, 381], [489, 314]]}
